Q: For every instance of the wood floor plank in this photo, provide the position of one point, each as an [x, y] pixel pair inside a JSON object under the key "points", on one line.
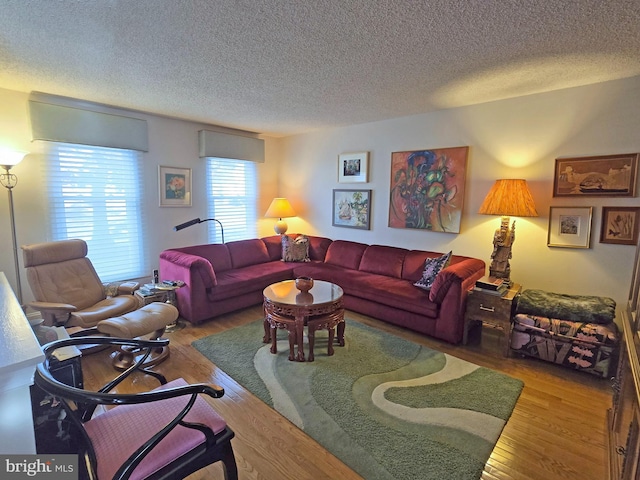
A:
{"points": [[557, 429]]}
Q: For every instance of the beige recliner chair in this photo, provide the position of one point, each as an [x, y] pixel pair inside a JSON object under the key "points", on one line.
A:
{"points": [[67, 289], [69, 293]]}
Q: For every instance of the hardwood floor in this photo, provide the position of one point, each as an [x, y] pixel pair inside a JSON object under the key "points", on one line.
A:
{"points": [[557, 430]]}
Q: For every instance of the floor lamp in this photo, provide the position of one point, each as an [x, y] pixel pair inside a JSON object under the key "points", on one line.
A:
{"points": [[8, 180]]}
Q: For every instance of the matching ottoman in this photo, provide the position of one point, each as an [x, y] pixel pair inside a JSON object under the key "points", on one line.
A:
{"points": [[575, 331], [150, 320]]}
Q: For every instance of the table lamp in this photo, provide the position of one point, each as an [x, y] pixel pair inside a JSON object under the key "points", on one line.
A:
{"points": [[509, 197], [280, 208]]}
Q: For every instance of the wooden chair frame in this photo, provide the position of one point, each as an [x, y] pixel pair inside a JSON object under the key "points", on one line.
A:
{"points": [[81, 404]]}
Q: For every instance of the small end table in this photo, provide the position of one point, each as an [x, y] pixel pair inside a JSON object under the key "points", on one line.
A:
{"points": [[493, 310]]}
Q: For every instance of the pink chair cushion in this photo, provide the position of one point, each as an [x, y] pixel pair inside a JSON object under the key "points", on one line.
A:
{"points": [[118, 432]]}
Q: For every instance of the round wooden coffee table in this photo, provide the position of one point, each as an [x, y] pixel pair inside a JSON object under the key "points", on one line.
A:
{"points": [[286, 307]]}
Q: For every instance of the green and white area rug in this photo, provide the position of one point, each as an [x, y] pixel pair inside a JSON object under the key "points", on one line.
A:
{"points": [[388, 408]]}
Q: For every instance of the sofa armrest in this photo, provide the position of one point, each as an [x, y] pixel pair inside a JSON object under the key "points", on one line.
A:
{"points": [[194, 266], [465, 272]]}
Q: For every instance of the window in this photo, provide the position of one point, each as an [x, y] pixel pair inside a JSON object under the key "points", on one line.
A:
{"points": [[232, 198], [95, 194]]}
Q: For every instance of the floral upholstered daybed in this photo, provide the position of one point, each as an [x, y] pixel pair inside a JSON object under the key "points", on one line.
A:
{"points": [[576, 331]]}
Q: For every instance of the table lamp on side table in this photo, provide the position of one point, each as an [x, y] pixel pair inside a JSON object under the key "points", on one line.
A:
{"points": [[510, 197]]}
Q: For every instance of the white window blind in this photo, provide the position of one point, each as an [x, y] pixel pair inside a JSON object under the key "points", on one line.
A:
{"points": [[95, 194], [232, 186]]}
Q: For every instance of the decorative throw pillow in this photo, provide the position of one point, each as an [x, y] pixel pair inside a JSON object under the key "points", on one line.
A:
{"points": [[432, 267], [295, 250]]}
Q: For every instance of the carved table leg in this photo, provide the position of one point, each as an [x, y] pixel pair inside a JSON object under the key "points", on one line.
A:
{"points": [[341, 326], [292, 341], [299, 326], [312, 340], [330, 347], [267, 330], [274, 340]]}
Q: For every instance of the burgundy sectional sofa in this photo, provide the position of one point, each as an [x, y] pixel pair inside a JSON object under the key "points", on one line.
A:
{"points": [[377, 280]]}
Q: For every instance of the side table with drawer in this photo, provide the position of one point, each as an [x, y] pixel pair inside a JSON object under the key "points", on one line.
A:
{"points": [[492, 310]]}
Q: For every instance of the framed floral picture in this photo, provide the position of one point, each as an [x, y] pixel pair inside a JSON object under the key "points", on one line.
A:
{"points": [[174, 184], [569, 227], [352, 208], [427, 189], [353, 167], [620, 225]]}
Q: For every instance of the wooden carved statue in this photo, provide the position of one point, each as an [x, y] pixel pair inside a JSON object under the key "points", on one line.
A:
{"points": [[502, 241]]}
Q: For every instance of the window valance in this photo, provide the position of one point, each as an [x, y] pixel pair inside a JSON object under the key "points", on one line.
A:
{"points": [[226, 145], [68, 124]]}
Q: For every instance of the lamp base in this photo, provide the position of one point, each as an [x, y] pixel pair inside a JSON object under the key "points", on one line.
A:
{"points": [[281, 227], [502, 243]]}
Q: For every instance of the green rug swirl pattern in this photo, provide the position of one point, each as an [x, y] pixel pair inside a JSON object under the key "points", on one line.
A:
{"points": [[388, 408]]}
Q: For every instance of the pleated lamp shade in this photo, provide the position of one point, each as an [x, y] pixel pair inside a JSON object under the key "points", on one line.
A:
{"points": [[509, 198]]}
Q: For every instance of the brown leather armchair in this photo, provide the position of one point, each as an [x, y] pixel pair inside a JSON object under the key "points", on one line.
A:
{"points": [[67, 289]]}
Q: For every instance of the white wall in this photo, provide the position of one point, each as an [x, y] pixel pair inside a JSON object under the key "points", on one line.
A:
{"points": [[516, 138]]}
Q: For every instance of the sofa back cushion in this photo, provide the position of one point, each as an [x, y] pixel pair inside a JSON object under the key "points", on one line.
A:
{"points": [[318, 247], [247, 252], [345, 253], [383, 260], [274, 246]]}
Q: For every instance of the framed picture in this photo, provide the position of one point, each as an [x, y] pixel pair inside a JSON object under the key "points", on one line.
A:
{"points": [[620, 225], [569, 227], [604, 176], [174, 184], [427, 189], [353, 167], [352, 208]]}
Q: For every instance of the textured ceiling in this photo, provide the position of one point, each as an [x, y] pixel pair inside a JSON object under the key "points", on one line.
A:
{"points": [[285, 67]]}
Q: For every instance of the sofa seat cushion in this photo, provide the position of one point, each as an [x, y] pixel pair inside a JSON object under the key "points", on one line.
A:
{"points": [[575, 308], [240, 281], [319, 271], [392, 292]]}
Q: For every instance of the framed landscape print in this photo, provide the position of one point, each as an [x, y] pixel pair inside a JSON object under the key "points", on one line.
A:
{"points": [[174, 184], [427, 189], [620, 225], [352, 208], [353, 167], [569, 227], [603, 176]]}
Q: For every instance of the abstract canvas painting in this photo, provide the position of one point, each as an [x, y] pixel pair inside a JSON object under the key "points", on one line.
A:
{"points": [[427, 189]]}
